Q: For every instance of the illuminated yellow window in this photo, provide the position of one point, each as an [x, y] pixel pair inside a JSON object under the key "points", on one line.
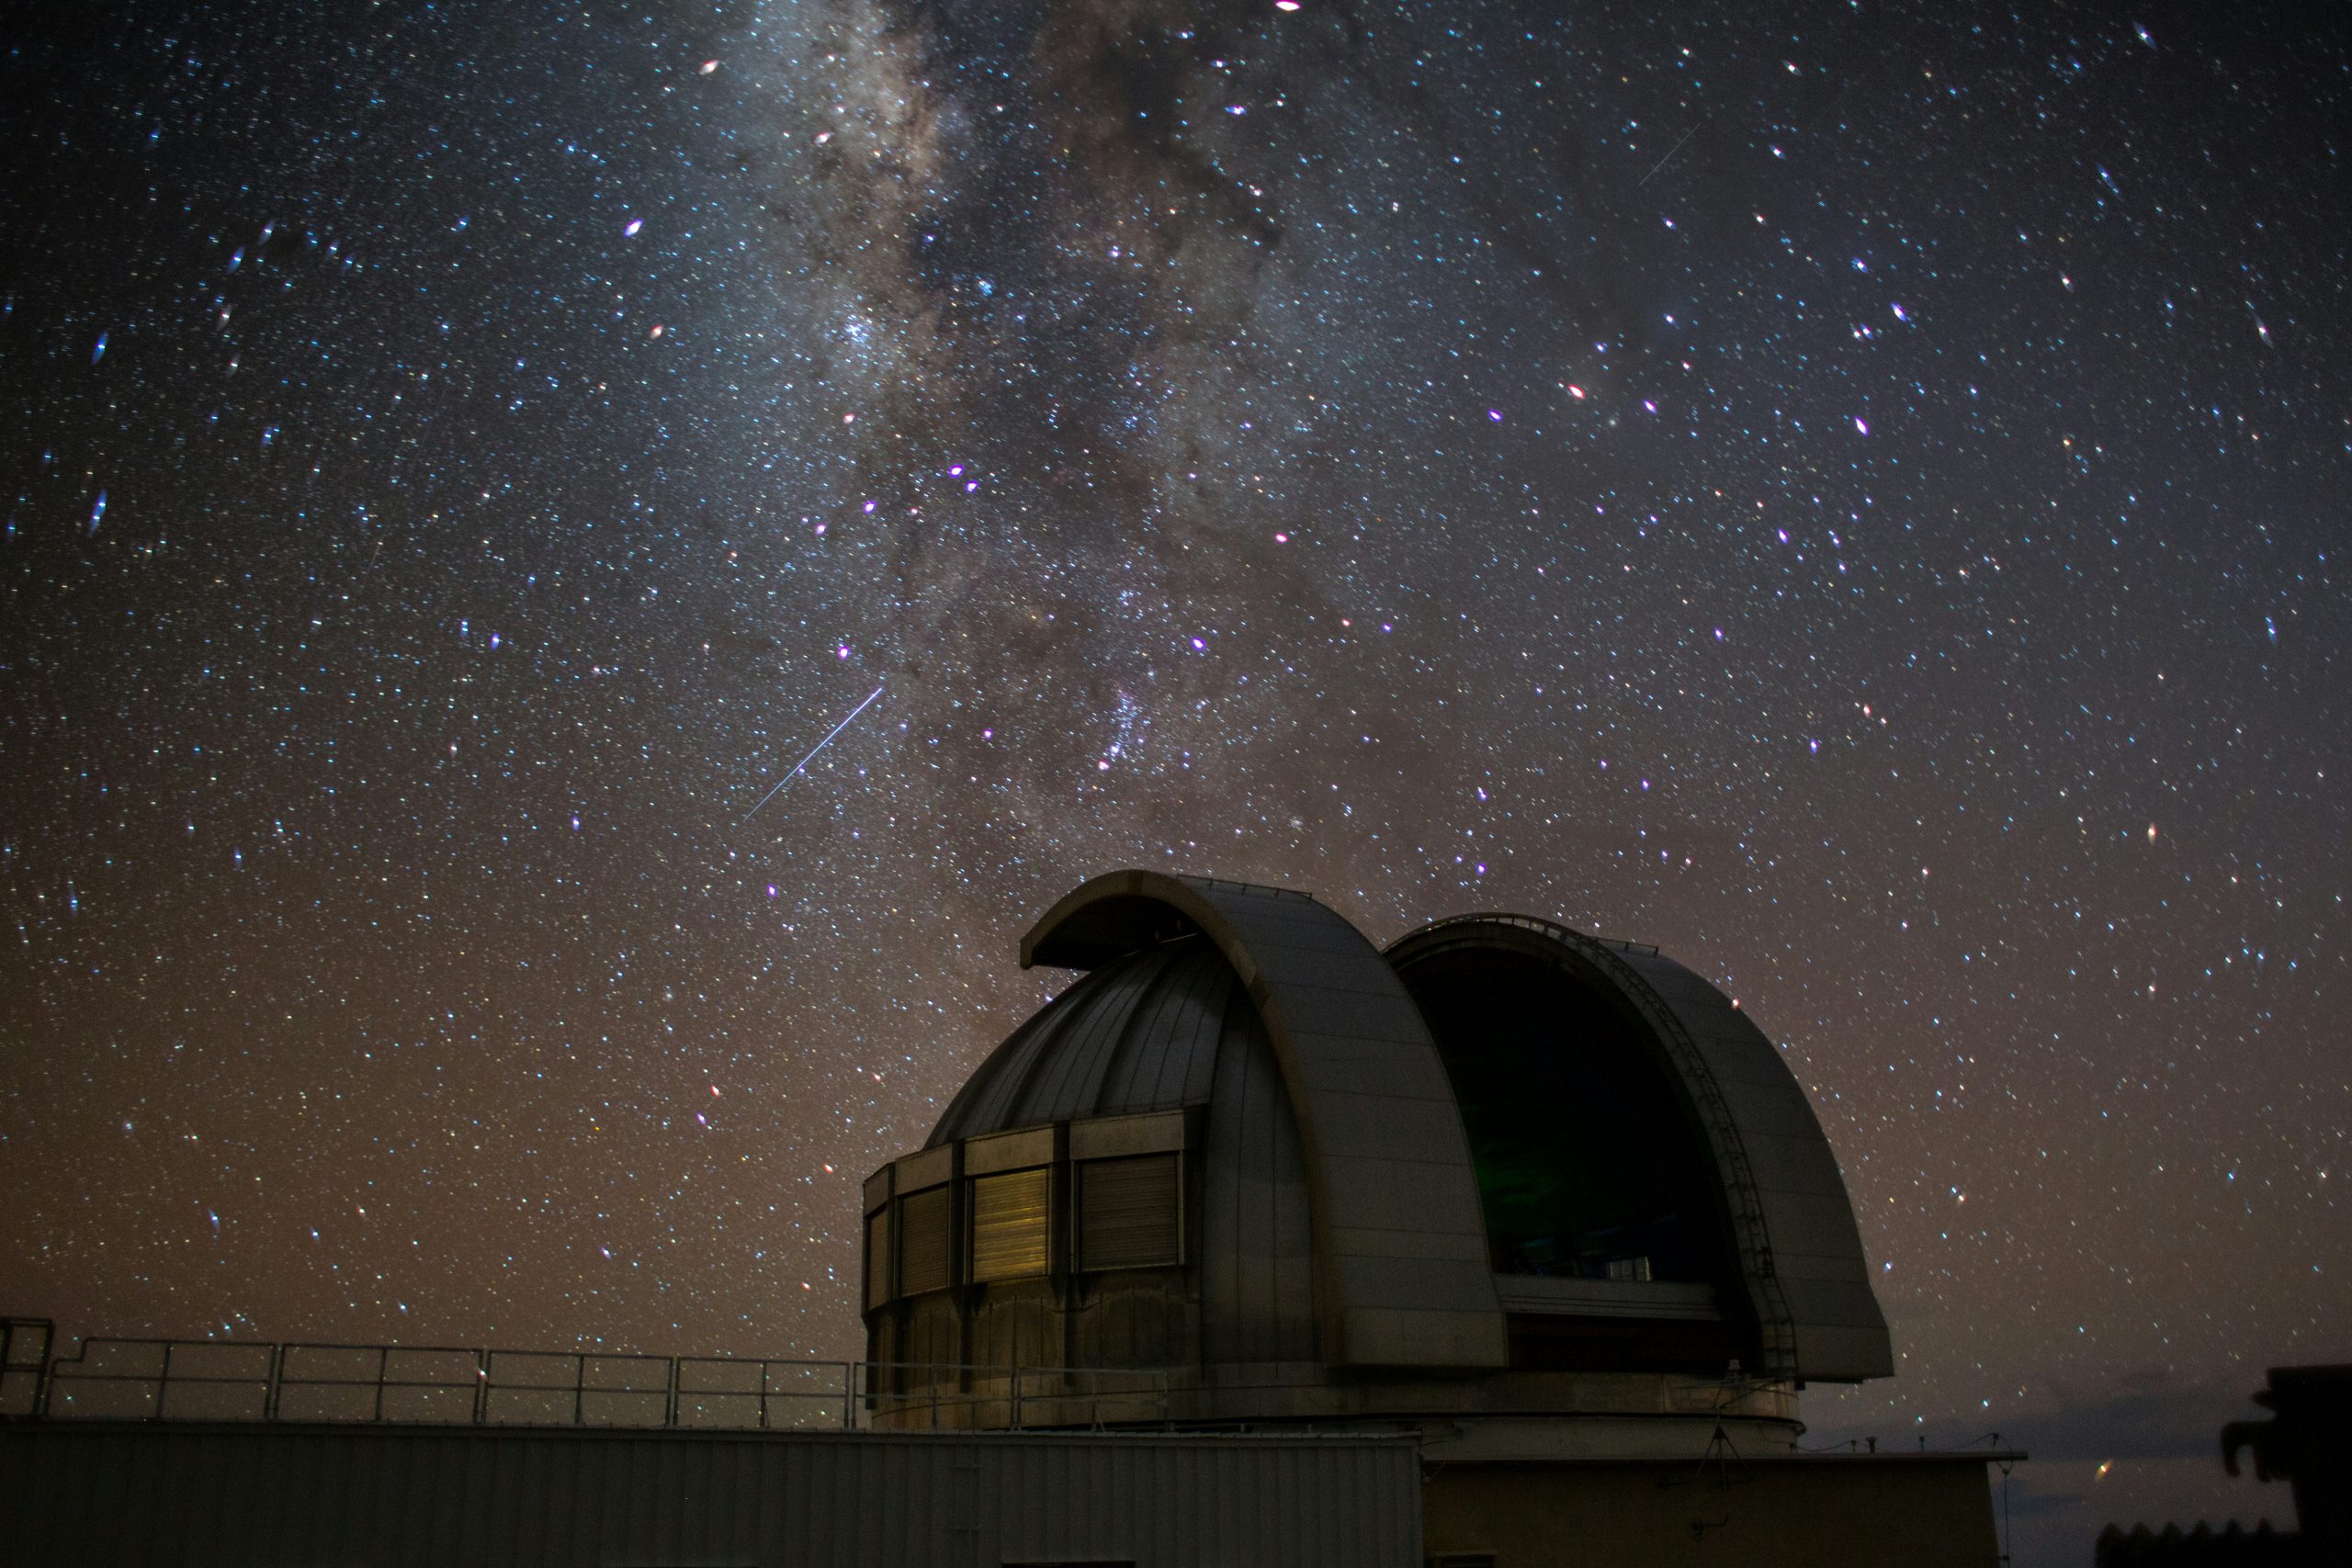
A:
{"points": [[1009, 1224]]}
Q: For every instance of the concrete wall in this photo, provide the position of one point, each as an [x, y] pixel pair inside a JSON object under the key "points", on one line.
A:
{"points": [[261, 1497], [1819, 1512]]}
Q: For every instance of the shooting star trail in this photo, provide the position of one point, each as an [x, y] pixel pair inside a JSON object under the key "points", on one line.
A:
{"points": [[1662, 162], [821, 745]]}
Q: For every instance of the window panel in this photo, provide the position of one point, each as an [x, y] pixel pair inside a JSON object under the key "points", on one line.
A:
{"points": [[1127, 1212], [877, 1258], [1009, 1224], [922, 1242]]}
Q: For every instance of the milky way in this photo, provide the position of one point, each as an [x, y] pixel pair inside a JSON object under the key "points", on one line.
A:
{"points": [[1852, 495]]}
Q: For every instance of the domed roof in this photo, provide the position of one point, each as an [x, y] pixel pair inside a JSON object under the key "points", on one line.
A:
{"points": [[1140, 1034], [1169, 1027], [1502, 1144]]}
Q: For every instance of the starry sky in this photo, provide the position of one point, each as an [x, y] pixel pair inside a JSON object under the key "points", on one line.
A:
{"points": [[1853, 494]]}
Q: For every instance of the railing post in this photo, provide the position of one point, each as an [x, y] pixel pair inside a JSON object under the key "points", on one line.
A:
{"points": [[1016, 1398], [383, 1371], [45, 1368], [482, 1387], [272, 1382], [670, 1397], [163, 1382], [579, 1387]]}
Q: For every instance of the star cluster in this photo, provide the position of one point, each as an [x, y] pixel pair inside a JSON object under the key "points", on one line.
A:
{"points": [[1852, 494]]}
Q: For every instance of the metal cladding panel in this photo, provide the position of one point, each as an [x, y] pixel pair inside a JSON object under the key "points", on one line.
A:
{"points": [[269, 1496], [1257, 1237], [1306, 1502], [1172, 1042], [1140, 1036], [1009, 1151], [1400, 1070], [1146, 1132], [1069, 1078], [1340, 1023], [1366, 1119]]}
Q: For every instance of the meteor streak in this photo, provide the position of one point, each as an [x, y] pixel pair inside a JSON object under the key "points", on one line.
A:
{"points": [[821, 745]]}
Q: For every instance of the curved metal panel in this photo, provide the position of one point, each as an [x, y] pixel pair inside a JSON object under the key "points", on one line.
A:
{"points": [[1142, 1035], [1149, 1036], [1256, 1257], [1800, 1253], [1400, 1248]]}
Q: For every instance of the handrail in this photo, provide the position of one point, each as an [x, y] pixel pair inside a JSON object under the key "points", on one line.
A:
{"points": [[124, 1379], [24, 1347], [254, 1381]]}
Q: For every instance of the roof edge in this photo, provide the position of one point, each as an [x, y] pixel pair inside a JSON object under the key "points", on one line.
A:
{"points": [[1108, 916]]}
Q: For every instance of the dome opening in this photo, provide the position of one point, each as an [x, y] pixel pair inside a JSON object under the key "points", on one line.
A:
{"points": [[1587, 1167]]}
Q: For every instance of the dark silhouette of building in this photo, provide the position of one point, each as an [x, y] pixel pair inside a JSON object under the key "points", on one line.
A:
{"points": [[2305, 1443]]}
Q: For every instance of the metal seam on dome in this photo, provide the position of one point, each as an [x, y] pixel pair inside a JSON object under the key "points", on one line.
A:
{"points": [[1149, 997], [1079, 1072], [1776, 1325], [1173, 1079], [1017, 1083], [1117, 1016], [982, 1081]]}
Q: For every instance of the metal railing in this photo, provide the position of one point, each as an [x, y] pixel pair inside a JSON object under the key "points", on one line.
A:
{"points": [[230, 1380], [205, 1380], [25, 1345]]}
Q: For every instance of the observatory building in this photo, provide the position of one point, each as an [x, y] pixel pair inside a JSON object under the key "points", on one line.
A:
{"points": [[1554, 1204]]}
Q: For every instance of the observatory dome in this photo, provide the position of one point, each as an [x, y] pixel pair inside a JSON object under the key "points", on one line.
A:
{"points": [[1503, 1167]]}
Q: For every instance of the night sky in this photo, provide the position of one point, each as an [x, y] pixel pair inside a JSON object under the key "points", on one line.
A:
{"points": [[1854, 496]]}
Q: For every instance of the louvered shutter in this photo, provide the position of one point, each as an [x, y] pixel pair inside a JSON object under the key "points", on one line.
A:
{"points": [[1127, 1212], [922, 1242], [1009, 1224]]}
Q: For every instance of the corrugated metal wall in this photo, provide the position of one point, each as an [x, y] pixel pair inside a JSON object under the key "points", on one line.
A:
{"points": [[262, 1496]]}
